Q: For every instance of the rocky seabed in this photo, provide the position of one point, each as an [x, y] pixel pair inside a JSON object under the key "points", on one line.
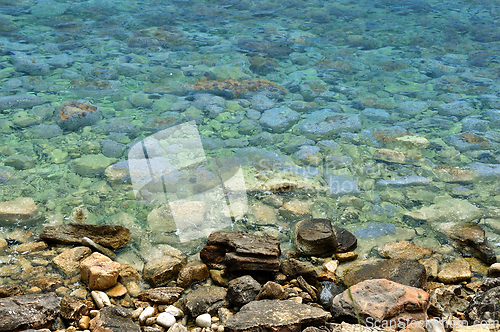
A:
{"points": [[55, 281]]}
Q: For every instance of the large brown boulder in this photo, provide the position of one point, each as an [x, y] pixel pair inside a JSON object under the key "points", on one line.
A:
{"points": [[105, 235]]}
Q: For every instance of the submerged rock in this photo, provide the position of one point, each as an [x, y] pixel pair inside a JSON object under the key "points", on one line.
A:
{"points": [[77, 113], [447, 210], [20, 210], [19, 101], [324, 123], [469, 239], [159, 272], [275, 315]]}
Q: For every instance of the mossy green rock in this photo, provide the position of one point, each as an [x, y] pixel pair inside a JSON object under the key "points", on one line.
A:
{"points": [[91, 165]]}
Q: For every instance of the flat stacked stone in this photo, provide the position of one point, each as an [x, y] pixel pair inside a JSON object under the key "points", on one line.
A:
{"points": [[241, 252]]}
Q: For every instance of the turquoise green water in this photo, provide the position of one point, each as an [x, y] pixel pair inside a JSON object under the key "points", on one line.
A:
{"points": [[421, 78]]}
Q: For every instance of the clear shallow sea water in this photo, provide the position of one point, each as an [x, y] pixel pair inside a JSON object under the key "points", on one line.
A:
{"points": [[421, 78]]}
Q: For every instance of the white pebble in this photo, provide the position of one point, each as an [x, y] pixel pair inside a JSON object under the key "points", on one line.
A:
{"points": [[100, 299], [145, 314], [137, 312], [174, 311], [204, 320], [165, 319]]}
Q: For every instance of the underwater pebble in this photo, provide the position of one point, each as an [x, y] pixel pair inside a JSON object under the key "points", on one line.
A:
{"points": [[19, 101]]}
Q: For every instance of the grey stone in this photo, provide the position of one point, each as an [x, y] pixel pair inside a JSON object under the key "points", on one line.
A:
{"points": [[328, 291], [467, 141], [111, 149], [443, 302], [279, 120], [457, 108], [325, 123], [411, 180], [375, 114], [486, 171], [484, 304], [205, 300], [261, 102], [46, 131], [242, 290], [275, 315], [473, 124], [116, 319], [28, 311], [339, 185]]}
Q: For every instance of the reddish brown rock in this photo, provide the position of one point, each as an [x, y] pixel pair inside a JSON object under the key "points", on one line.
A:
{"points": [[241, 252], [99, 271], [105, 235], [380, 300]]}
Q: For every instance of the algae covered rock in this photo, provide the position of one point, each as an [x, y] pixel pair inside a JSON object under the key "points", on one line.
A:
{"points": [[77, 113]]}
